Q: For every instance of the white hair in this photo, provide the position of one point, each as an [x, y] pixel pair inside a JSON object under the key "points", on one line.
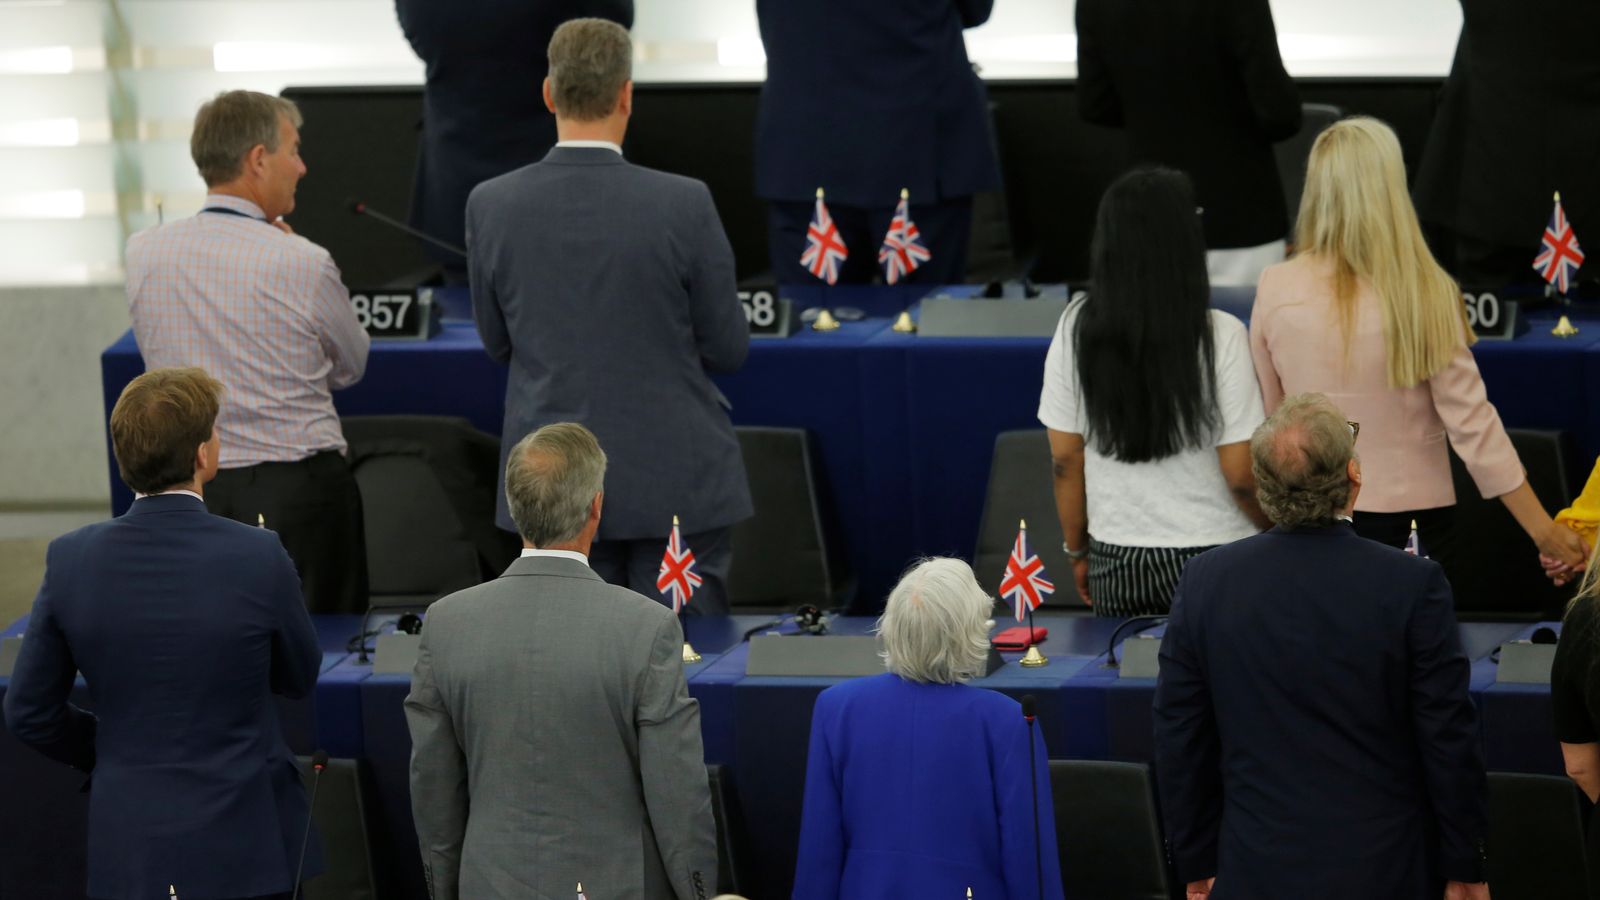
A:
{"points": [[935, 627]]}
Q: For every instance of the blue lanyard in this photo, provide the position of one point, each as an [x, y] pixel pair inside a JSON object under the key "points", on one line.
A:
{"points": [[232, 212]]}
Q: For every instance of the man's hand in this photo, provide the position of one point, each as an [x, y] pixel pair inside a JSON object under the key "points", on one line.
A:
{"points": [[1080, 574], [1200, 890], [1462, 890], [282, 226]]}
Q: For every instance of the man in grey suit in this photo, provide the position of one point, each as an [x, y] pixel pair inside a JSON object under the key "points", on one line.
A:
{"points": [[609, 288], [553, 737]]}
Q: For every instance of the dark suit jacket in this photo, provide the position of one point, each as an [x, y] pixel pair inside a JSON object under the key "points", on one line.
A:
{"points": [[1519, 119], [1199, 86], [183, 624], [920, 790], [864, 99], [609, 289], [483, 113], [1313, 732]]}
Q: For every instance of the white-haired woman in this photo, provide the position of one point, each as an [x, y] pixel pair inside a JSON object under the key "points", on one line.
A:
{"points": [[1365, 315], [917, 784]]}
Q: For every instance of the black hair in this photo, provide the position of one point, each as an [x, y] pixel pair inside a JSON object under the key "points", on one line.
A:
{"points": [[1143, 337]]}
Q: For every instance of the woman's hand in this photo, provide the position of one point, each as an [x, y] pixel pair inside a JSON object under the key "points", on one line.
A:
{"points": [[1557, 571], [1080, 574], [1563, 545]]}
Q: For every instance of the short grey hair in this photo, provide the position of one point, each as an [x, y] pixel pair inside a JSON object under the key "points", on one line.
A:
{"points": [[552, 476], [229, 125], [935, 627], [1301, 456], [590, 61]]}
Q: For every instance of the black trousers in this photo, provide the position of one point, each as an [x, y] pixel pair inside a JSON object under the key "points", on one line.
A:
{"points": [[315, 507], [945, 227], [635, 565], [1436, 529]]}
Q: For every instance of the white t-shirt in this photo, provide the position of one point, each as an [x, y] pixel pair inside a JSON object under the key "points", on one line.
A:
{"points": [[1180, 501]]}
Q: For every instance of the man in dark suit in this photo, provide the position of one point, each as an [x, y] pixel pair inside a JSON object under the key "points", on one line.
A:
{"points": [[183, 624], [481, 112], [863, 100], [1198, 86], [609, 288], [1314, 737], [553, 737], [1519, 119]]}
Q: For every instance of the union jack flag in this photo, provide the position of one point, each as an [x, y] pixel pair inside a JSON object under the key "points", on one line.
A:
{"points": [[1024, 585], [903, 249], [677, 576], [1559, 255], [1414, 543], [825, 250]]}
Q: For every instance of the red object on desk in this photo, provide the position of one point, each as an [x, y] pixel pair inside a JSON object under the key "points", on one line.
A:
{"points": [[1017, 638]]}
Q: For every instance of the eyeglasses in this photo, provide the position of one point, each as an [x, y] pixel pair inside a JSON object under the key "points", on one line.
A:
{"points": [[1355, 430]]}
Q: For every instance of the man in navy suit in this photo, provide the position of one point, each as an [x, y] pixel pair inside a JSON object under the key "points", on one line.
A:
{"points": [[183, 624], [609, 289], [481, 114], [863, 100], [1314, 737]]}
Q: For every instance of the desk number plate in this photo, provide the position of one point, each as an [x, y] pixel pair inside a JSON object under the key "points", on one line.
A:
{"points": [[1491, 317], [767, 314], [393, 314]]}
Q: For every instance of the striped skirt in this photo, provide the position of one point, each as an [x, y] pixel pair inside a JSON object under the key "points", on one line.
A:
{"points": [[1135, 581]]}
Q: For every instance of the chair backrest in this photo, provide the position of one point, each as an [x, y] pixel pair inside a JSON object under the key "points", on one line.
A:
{"points": [[428, 499], [781, 555], [1536, 841], [732, 850], [1021, 487], [1494, 572], [340, 812], [1107, 830], [1292, 154]]}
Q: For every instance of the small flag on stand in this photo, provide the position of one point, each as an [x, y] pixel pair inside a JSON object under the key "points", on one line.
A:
{"points": [[1559, 254], [1414, 543], [580, 892], [903, 250], [825, 251], [1024, 584], [678, 578]]}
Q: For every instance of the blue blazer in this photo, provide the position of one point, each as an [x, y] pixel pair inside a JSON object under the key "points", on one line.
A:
{"points": [[1314, 737], [482, 111], [916, 791], [183, 624], [609, 289], [864, 99]]}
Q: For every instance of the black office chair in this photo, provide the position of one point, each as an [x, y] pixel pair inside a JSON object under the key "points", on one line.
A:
{"points": [[1495, 572], [1292, 154], [340, 812], [428, 498], [1107, 831], [783, 555], [1021, 487], [1536, 841], [733, 856]]}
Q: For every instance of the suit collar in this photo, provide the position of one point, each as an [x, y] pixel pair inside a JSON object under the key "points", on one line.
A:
{"points": [[556, 566], [583, 156], [165, 503], [1337, 528]]}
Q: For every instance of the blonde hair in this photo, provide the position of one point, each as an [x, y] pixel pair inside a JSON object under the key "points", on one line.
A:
{"points": [[1356, 213], [935, 626]]}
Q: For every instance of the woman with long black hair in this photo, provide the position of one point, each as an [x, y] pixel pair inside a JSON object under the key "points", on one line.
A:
{"points": [[1150, 399]]}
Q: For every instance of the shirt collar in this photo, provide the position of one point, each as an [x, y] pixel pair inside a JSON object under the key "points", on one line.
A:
{"points": [[138, 496], [240, 204], [605, 145], [560, 554]]}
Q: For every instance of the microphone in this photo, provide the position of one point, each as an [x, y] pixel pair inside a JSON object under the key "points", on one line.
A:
{"points": [[1030, 712], [1139, 623], [359, 208], [319, 761]]}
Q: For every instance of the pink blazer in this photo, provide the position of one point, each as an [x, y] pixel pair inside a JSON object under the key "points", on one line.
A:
{"points": [[1295, 341]]}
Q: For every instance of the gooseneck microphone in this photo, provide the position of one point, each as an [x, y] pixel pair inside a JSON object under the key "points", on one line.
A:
{"points": [[319, 761], [1133, 625], [1030, 712], [361, 209]]}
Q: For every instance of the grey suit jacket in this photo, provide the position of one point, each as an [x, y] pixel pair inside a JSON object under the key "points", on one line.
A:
{"points": [[554, 742], [609, 288]]}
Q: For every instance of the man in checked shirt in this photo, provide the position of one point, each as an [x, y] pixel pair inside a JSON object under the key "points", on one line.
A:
{"points": [[234, 291]]}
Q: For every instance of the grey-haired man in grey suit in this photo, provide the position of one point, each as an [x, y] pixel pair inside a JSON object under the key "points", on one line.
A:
{"points": [[609, 288], [553, 737]]}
